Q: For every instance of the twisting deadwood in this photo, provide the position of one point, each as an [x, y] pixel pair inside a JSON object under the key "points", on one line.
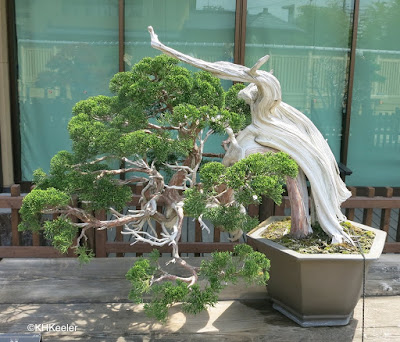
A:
{"points": [[280, 127]]}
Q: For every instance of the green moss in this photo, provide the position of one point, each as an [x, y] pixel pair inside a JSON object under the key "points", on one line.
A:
{"points": [[319, 241]]}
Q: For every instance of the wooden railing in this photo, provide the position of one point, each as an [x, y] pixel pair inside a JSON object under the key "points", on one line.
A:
{"points": [[364, 201], [360, 207]]}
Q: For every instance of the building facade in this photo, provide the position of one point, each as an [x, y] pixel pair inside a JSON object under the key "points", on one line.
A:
{"points": [[338, 62]]}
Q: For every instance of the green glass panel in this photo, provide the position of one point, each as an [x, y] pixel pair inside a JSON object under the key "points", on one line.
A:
{"points": [[203, 29], [374, 145], [308, 42], [67, 51]]}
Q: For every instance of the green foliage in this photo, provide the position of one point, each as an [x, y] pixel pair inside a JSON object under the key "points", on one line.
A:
{"points": [[223, 267], [231, 218], [39, 177], [157, 92], [140, 276], [97, 192], [244, 263], [157, 112], [103, 193], [37, 201], [236, 105], [61, 232], [84, 254], [250, 178], [207, 90], [260, 174], [195, 202], [212, 175]]}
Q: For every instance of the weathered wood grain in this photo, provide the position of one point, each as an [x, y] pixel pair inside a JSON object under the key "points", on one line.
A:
{"points": [[94, 298], [103, 280], [228, 321]]}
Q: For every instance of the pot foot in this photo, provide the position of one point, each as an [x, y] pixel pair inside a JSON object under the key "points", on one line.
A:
{"points": [[307, 321]]}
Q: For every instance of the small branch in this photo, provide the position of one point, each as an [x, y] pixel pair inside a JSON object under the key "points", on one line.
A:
{"points": [[202, 224], [190, 280], [163, 128], [132, 180], [102, 173], [93, 162], [214, 155], [225, 144]]}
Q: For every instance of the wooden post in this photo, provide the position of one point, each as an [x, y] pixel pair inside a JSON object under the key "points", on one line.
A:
{"points": [[217, 234], [101, 237], [398, 229], [266, 208], [15, 235], [350, 211], [280, 209], [71, 251], [198, 236], [119, 238], [253, 210], [385, 214], [36, 239], [368, 212]]}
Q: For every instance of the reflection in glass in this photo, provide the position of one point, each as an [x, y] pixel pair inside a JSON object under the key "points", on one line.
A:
{"points": [[67, 51], [203, 29], [374, 146], [196, 27], [309, 47]]}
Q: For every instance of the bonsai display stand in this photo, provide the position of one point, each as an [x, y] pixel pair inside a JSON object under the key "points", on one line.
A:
{"points": [[94, 298]]}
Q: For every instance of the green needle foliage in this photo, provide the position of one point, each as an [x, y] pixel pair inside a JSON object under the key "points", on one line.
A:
{"points": [[242, 264], [250, 178], [155, 113], [158, 116]]}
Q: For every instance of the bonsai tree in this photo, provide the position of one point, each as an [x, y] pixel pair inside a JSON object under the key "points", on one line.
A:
{"points": [[277, 126], [152, 131]]}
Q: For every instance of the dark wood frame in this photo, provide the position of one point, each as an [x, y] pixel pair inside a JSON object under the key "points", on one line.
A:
{"points": [[344, 148], [240, 31], [121, 35], [13, 79], [239, 58]]}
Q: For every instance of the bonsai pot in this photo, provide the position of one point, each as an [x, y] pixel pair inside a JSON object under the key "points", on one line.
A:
{"points": [[315, 289]]}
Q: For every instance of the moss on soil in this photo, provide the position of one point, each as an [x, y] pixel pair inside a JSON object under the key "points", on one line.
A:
{"points": [[319, 241]]}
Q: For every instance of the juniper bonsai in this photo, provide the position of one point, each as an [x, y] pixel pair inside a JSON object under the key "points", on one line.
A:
{"points": [[152, 132]]}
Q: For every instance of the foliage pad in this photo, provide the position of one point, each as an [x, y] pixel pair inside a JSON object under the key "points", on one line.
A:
{"points": [[223, 267]]}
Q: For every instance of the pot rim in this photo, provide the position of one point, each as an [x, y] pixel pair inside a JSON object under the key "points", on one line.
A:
{"points": [[374, 253]]}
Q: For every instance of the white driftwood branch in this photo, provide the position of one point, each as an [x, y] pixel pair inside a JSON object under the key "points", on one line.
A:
{"points": [[278, 126]]}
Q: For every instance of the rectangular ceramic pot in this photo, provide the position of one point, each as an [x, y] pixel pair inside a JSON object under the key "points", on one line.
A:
{"points": [[315, 289]]}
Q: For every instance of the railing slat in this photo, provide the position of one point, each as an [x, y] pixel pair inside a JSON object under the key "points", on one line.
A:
{"points": [[184, 247], [376, 202], [368, 212], [119, 238], [29, 252], [101, 237], [350, 212], [98, 239], [385, 214], [71, 251], [198, 235], [15, 235]]}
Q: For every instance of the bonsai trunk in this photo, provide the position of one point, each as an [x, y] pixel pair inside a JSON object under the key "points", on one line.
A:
{"points": [[300, 223]]}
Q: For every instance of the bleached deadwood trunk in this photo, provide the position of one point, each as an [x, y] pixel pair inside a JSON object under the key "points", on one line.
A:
{"points": [[276, 125]]}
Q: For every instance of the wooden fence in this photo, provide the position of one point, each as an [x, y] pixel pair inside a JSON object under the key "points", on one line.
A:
{"points": [[364, 201]]}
